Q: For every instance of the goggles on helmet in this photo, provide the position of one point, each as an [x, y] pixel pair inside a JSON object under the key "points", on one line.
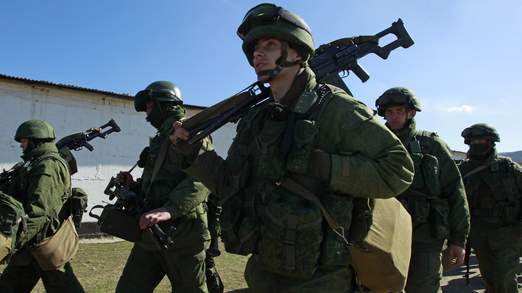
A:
{"points": [[265, 14], [141, 98]]}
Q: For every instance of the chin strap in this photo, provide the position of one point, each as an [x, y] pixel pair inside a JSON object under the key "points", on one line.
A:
{"points": [[280, 64]]}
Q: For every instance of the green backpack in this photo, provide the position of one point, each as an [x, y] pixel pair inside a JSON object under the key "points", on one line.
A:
{"points": [[12, 224]]}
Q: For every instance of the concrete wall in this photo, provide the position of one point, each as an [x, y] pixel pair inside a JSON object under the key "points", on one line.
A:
{"points": [[70, 111]]}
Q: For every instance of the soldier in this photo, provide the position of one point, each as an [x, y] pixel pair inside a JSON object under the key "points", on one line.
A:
{"points": [[42, 185], [300, 158], [173, 199], [436, 200], [494, 188]]}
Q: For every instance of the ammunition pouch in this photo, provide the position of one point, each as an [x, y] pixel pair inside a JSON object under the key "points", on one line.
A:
{"points": [[292, 233], [53, 253], [117, 222], [240, 233]]}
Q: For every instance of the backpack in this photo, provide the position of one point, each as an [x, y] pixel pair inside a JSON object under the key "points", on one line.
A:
{"points": [[12, 224]]}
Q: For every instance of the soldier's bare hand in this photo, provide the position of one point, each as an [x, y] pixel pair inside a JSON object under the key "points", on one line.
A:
{"points": [[457, 254], [153, 217], [125, 178], [180, 133]]}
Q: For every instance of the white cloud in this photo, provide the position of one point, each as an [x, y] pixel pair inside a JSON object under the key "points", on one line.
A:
{"points": [[460, 109]]}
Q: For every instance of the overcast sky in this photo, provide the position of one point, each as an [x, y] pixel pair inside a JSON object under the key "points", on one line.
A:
{"points": [[465, 64]]}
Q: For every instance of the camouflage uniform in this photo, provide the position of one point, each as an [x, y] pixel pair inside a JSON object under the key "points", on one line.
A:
{"points": [[494, 195], [43, 184], [184, 262], [335, 148], [436, 199]]}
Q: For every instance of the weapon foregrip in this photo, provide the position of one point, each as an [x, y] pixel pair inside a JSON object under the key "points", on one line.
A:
{"points": [[360, 72]]}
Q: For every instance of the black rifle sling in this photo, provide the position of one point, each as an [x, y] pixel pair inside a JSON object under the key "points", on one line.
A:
{"points": [[158, 163]]}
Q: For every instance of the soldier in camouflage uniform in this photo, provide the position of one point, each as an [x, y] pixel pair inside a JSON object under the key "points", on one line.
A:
{"points": [[436, 200], [173, 199], [311, 139], [42, 185], [494, 188]]}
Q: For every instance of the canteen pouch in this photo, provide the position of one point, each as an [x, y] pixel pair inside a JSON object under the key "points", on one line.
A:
{"points": [[54, 252]]}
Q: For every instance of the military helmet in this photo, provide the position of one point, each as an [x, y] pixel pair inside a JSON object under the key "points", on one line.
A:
{"points": [[161, 91], [35, 129], [268, 20], [480, 130], [395, 97]]}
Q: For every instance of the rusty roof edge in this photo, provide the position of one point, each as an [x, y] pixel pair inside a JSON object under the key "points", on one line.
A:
{"points": [[80, 88]]}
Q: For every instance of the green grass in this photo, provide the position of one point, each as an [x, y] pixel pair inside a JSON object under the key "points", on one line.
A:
{"points": [[98, 266]]}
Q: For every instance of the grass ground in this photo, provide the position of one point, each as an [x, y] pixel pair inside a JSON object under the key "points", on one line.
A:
{"points": [[99, 265]]}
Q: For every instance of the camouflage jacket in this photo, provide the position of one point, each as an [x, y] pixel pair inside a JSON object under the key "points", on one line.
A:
{"points": [[43, 185], [178, 193], [439, 210]]}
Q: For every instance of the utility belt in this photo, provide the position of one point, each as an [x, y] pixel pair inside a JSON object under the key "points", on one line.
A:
{"points": [[425, 209]]}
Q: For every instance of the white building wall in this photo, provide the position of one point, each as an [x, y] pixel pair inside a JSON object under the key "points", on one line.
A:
{"points": [[71, 111]]}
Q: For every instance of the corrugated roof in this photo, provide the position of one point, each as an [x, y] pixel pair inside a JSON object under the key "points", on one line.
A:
{"points": [[79, 88]]}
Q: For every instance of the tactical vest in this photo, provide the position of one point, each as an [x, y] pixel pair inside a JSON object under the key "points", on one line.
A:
{"points": [[493, 194], [423, 198], [260, 216]]}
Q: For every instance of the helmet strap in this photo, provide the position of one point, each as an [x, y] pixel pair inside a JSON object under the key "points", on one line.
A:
{"points": [[281, 63]]}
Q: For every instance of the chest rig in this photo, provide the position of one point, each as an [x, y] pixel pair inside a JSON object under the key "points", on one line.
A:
{"points": [[423, 198], [493, 194]]}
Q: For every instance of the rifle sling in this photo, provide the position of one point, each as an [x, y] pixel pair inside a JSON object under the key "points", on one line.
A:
{"points": [[478, 169], [158, 163], [297, 188]]}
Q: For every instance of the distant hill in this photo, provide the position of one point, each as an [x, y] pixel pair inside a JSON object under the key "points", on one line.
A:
{"points": [[516, 156]]}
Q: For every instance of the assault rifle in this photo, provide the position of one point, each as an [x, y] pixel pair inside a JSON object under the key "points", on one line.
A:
{"points": [[81, 139], [328, 61], [134, 205]]}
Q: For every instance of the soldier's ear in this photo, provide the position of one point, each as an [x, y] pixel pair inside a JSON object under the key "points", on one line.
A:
{"points": [[411, 113]]}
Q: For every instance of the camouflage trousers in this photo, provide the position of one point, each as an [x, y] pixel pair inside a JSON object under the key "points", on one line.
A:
{"points": [[425, 272], [145, 269], [498, 255], [22, 273], [328, 281]]}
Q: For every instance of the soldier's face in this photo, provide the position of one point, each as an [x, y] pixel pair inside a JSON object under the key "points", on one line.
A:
{"points": [[478, 140], [397, 116], [265, 55], [24, 143]]}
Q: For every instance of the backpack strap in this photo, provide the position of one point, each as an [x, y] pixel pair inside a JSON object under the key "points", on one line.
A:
{"points": [[297, 188]]}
